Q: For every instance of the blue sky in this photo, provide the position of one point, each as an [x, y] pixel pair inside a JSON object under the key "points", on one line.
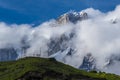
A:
{"points": [[38, 11]]}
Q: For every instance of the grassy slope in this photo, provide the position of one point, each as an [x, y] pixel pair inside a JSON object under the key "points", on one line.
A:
{"points": [[13, 70]]}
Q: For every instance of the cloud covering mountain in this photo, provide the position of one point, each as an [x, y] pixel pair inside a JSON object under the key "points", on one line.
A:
{"points": [[98, 35]]}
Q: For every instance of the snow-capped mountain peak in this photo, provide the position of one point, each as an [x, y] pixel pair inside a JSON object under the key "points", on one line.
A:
{"points": [[72, 17]]}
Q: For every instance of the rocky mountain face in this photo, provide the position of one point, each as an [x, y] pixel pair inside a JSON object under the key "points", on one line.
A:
{"points": [[88, 63], [8, 54], [64, 47]]}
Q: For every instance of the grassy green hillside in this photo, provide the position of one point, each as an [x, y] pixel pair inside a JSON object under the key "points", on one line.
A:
{"points": [[47, 69]]}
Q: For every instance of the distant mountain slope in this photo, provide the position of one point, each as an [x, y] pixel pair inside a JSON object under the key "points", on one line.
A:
{"points": [[47, 69]]}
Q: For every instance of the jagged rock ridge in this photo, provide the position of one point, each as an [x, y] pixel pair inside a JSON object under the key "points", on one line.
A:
{"points": [[73, 17]]}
